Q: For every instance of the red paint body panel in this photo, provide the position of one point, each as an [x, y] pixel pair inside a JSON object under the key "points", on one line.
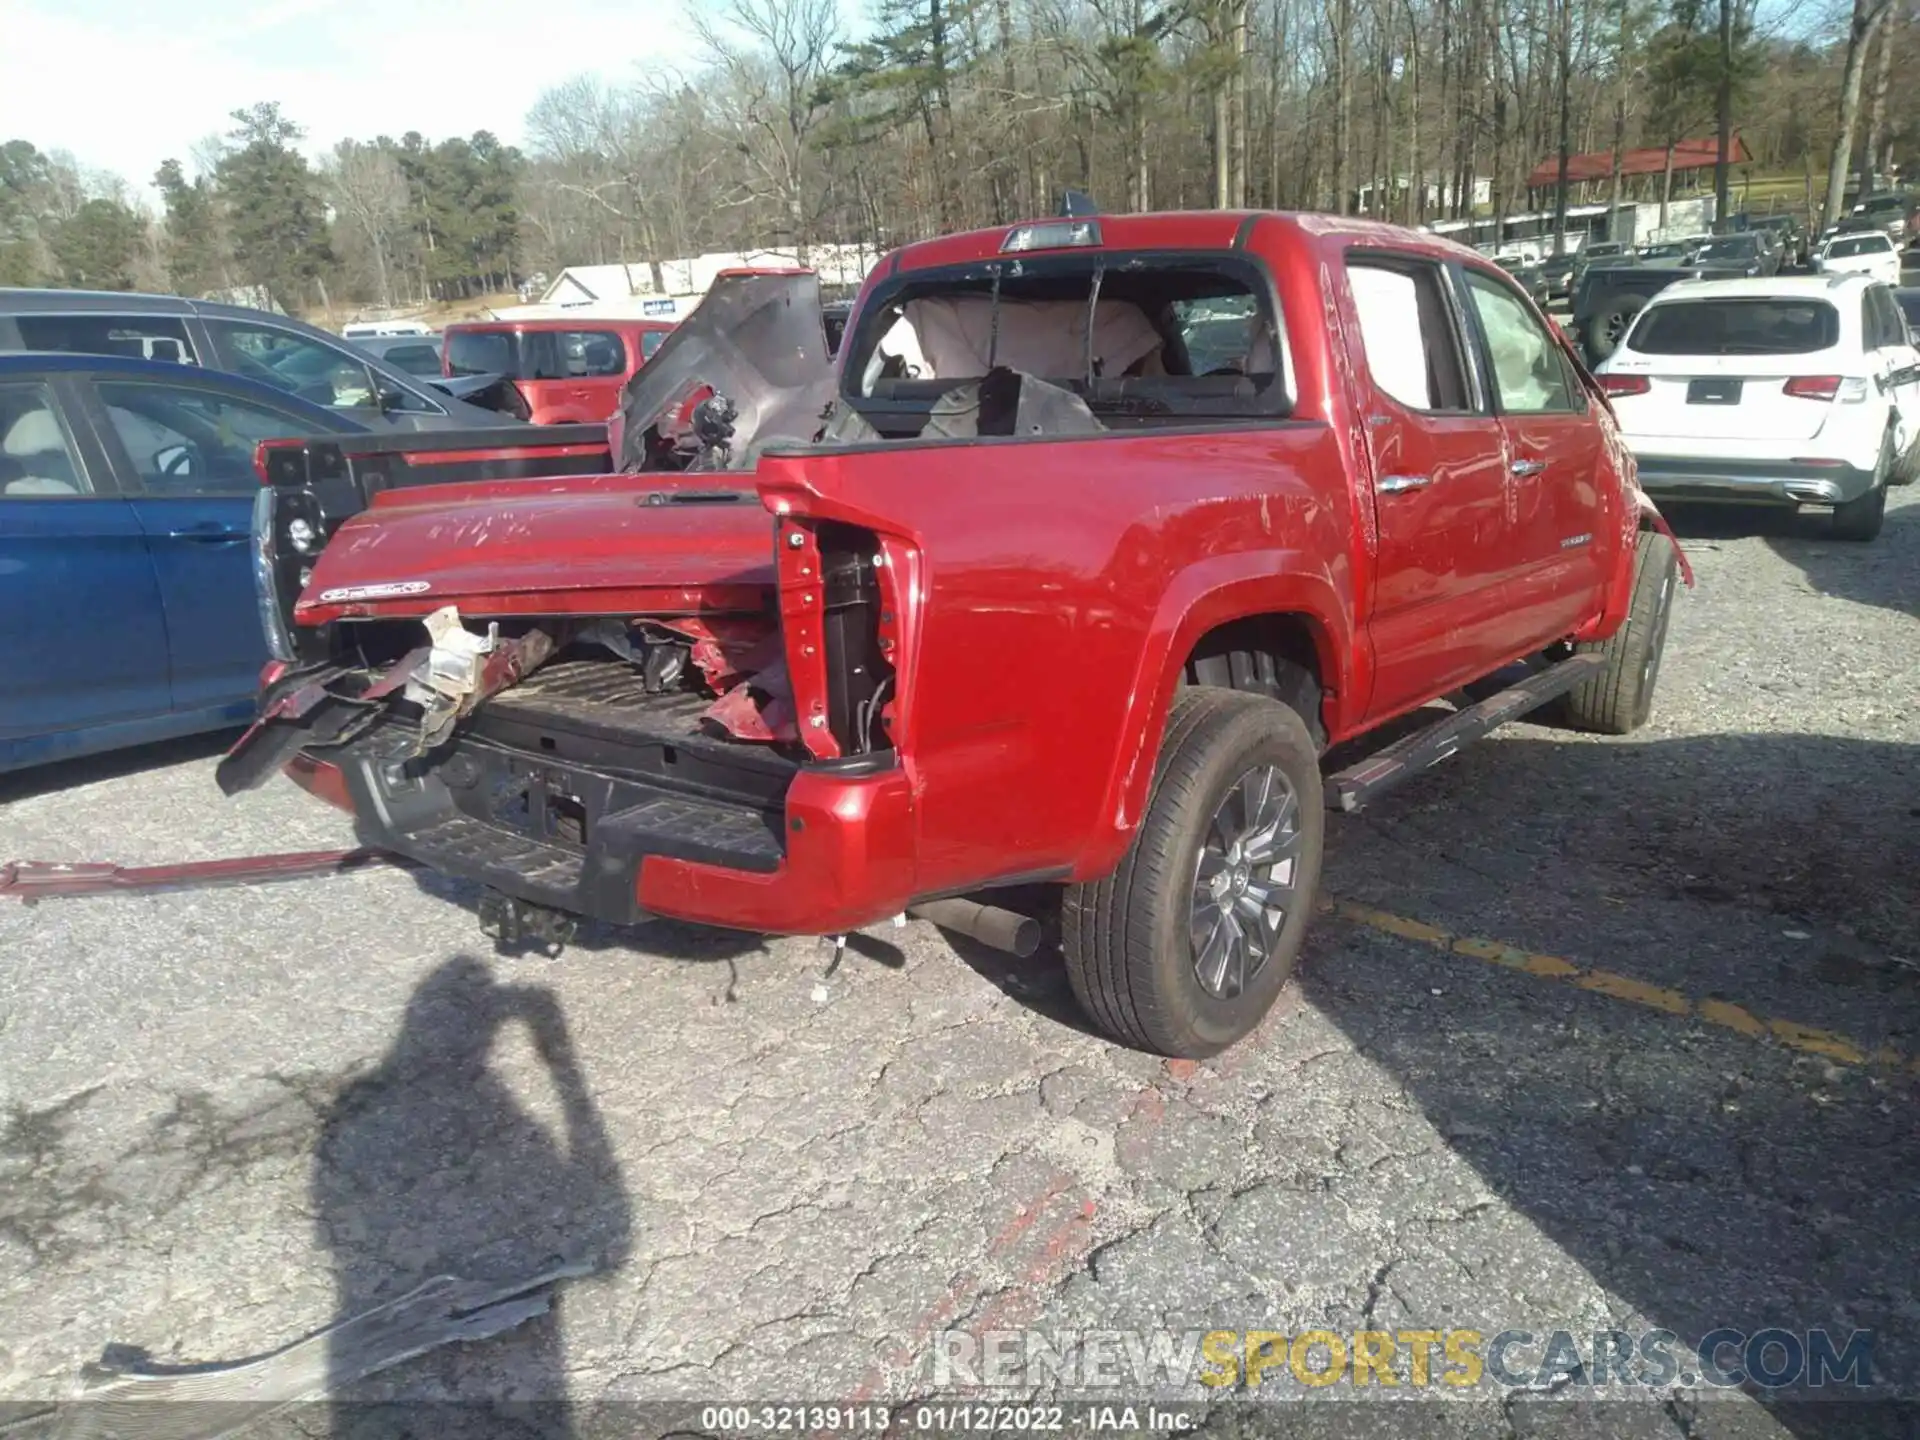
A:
{"points": [[1040, 596]]}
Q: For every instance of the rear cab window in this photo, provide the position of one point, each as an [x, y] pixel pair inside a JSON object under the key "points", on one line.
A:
{"points": [[1868, 244], [1141, 339], [1760, 325]]}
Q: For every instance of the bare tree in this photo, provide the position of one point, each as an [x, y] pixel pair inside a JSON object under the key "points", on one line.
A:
{"points": [[772, 58], [365, 184], [1868, 17]]}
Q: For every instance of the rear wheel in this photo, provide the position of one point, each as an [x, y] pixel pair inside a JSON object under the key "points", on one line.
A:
{"points": [[1607, 326], [1861, 519], [1186, 945], [1619, 699]]}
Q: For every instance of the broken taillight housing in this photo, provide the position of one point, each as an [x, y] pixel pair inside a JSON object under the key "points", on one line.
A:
{"points": [[1625, 384], [835, 622]]}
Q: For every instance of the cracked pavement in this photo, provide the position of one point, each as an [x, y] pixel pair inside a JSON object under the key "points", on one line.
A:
{"points": [[231, 1116]]}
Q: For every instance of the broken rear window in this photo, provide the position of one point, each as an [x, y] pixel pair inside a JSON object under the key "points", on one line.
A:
{"points": [[1166, 338]]}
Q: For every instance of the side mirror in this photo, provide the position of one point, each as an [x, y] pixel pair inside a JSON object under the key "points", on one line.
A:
{"points": [[176, 460], [1913, 336], [390, 397]]}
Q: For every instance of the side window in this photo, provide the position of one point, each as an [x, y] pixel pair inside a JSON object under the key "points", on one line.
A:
{"points": [[1530, 374], [188, 440], [650, 341], [317, 373], [132, 337], [36, 457], [1893, 325], [590, 354], [1407, 332]]}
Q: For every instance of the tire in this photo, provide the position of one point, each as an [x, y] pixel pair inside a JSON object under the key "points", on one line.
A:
{"points": [[1607, 326], [1128, 939], [1861, 519], [1619, 700]]}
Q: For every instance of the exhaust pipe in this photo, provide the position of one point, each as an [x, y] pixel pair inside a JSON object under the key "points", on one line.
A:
{"points": [[989, 924]]}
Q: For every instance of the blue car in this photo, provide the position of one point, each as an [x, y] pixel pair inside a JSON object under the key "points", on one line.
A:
{"points": [[127, 610]]}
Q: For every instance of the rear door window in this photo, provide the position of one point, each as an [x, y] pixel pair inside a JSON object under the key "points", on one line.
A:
{"points": [[1407, 332], [131, 337], [320, 374], [37, 457], [192, 439]]}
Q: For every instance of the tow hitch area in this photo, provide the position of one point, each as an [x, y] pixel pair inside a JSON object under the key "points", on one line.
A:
{"points": [[512, 922]]}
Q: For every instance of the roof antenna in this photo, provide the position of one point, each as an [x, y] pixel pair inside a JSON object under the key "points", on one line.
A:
{"points": [[1077, 205]]}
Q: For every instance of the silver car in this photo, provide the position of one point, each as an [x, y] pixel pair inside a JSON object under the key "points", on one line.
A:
{"points": [[276, 349]]}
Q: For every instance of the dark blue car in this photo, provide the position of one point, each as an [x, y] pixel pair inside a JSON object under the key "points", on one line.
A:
{"points": [[127, 610]]}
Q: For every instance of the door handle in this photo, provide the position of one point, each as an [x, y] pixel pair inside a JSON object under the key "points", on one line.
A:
{"points": [[1527, 467], [1400, 484], [208, 534]]}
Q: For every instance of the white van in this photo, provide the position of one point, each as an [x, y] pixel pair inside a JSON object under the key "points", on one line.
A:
{"points": [[369, 329]]}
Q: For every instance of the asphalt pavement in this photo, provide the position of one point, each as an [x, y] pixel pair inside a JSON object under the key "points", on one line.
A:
{"points": [[1599, 1036]]}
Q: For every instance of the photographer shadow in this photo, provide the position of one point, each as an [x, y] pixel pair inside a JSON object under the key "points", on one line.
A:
{"points": [[437, 1164]]}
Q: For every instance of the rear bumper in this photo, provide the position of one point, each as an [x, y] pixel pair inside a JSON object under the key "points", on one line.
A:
{"points": [[837, 855], [1751, 482]]}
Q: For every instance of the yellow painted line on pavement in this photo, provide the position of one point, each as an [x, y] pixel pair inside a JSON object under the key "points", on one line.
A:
{"points": [[1722, 1013]]}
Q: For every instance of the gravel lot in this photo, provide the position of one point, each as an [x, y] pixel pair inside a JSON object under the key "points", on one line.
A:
{"points": [[232, 1116]]}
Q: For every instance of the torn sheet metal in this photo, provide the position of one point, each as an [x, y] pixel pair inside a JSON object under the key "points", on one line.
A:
{"points": [[756, 339], [126, 1396], [462, 669], [759, 708]]}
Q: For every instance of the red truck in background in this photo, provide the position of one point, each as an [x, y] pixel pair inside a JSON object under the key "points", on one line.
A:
{"points": [[1099, 532]]}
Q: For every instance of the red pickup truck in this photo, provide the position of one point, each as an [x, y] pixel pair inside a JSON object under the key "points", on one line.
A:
{"points": [[1068, 569]]}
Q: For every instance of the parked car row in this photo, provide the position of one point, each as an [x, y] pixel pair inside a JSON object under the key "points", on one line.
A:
{"points": [[127, 489], [1785, 391], [290, 356]]}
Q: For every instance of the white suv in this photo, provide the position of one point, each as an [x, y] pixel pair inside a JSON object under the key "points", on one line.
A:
{"points": [[1860, 252], [1791, 390]]}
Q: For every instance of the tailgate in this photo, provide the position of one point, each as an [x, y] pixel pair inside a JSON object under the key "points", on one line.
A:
{"points": [[313, 487]]}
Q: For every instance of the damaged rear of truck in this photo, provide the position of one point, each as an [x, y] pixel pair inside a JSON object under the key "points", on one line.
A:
{"points": [[828, 641]]}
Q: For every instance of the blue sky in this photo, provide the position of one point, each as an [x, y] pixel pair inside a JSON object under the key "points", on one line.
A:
{"points": [[124, 84]]}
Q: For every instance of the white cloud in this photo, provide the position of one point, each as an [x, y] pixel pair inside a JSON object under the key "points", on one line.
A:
{"points": [[124, 86]]}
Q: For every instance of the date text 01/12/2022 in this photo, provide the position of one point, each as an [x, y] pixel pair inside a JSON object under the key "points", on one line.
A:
{"points": [[938, 1419]]}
